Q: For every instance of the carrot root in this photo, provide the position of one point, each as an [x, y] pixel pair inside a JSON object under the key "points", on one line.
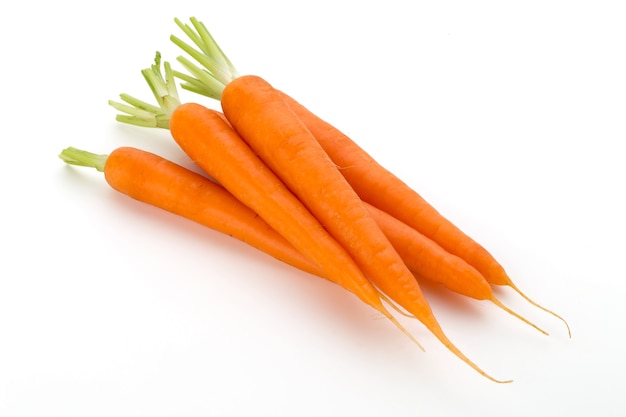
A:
{"points": [[438, 332], [514, 314], [402, 328], [517, 290]]}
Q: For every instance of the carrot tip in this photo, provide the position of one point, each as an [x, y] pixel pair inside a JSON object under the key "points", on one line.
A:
{"points": [[508, 381], [403, 330], [436, 330], [514, 287], [514, 314]]}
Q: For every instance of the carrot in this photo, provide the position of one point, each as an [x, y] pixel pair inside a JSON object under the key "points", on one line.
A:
{"points": [[372, 182], [153, 180], [209, 140], [263, 119]]}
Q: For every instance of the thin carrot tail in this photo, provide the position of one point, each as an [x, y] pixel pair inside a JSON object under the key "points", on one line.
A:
{"points": [[514, 314], [434, 327], [516, 289], [395, 321]]}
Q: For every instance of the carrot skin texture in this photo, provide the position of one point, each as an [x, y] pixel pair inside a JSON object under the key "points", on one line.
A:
{"points": [[260, 115], [154, 180], [427, 260], [151, 179], [384, 190], [257, 112], [215, 147]]}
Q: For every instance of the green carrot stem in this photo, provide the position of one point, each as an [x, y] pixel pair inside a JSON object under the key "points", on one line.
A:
{"points": [[74, 156], [162, 83], [210, 54], [214, 70]]}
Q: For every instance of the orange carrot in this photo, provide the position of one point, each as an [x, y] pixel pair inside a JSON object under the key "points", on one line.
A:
{"points": [[263, 119], [153, 180], [212, 143]]}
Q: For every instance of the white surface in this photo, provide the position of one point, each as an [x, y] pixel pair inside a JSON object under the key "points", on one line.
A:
{"points": [[509, 119]]}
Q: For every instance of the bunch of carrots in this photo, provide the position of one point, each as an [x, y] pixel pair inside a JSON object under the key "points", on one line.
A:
{"points": [[283, 180]]}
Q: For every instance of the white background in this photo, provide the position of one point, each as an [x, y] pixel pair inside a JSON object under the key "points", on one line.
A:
{"points": [[510, 119]]}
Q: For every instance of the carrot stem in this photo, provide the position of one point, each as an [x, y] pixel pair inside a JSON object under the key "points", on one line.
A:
{"points": [[212, 87], [217, 71], [194, 85], [163, 86], [74, 156]]}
